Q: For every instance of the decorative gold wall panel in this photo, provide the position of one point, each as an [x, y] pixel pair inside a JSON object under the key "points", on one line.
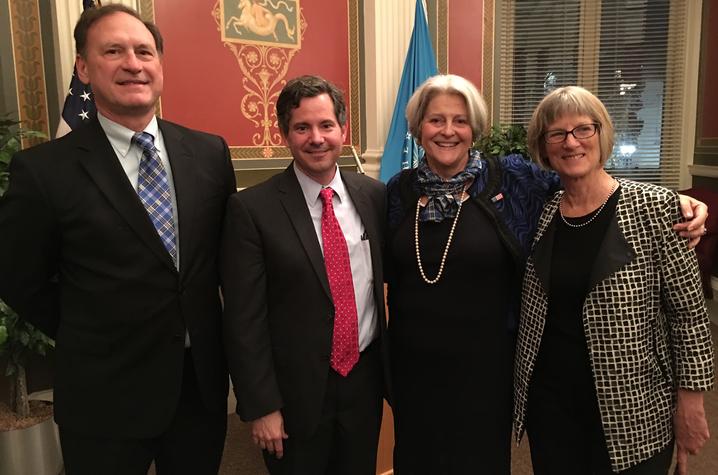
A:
{"points": [[28, 65]]}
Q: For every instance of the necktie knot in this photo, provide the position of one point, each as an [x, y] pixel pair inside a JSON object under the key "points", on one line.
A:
{"points": [[326, 195], [145, 141], [154, 191]]}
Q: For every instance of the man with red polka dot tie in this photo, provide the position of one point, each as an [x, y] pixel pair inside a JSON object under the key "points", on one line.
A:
{"points": [[304, 306]]}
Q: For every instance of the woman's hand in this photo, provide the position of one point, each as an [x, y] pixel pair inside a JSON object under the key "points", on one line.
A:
{"points": [[696, 213], [690, 427]]}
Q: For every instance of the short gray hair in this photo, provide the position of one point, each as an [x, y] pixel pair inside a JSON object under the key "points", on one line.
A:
{"points": [[447, 84]]}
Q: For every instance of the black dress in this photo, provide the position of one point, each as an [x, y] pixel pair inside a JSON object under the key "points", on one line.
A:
{"points": [[452, 353], [562, 395], [562, 399]]}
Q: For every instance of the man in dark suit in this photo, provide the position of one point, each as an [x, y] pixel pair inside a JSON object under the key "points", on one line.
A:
{"points": [[304, 308], [109, 244]]}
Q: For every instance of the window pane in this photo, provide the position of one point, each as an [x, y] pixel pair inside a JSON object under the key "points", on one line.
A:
{"points": [[545, 52], [630, 53], [632, 76]]}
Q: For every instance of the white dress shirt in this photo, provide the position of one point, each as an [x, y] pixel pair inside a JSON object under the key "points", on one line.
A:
{"points": [[357, 244], [129, 155]]}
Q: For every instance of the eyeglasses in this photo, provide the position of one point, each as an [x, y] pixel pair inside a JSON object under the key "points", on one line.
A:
{"points": [[581, 132]]}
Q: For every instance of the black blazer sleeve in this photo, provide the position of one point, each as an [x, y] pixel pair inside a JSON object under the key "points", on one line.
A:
{"points": [[29, 246], [246, 330]]}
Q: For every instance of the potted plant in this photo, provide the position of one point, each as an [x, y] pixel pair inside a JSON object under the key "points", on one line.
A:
{"points": [[504, 140], [23, 423]]}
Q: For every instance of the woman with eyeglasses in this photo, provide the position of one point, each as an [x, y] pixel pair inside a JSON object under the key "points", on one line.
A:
{"points": [[459, 230], [614, 344]]}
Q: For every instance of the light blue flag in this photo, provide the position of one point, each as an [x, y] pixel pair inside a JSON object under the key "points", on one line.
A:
{"points": [[401, 150]]}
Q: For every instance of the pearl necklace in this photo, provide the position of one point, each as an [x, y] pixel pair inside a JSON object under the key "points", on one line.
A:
{"points": [[560, 212], [448, 242]]}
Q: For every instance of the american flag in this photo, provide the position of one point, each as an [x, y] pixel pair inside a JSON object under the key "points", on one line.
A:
{"points": [[79, 105]]}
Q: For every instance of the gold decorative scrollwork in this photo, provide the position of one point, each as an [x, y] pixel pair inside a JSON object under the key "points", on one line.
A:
{"points": [[264, 67], [29, 66], [146, 9]]}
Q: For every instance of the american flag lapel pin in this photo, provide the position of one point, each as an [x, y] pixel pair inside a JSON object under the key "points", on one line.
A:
{"points": [[498, 197]]}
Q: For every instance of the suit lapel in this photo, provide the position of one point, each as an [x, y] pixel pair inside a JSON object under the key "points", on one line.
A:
{"points": [[363, 207], [100, 161], [292, 199], [183, 171], [543, 248], [367, 213], [615, 251]]}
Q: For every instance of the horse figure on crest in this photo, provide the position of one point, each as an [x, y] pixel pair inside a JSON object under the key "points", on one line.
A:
{"points": [[258, 19]]}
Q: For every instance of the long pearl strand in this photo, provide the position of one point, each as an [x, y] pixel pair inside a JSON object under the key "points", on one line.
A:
{"points": [[446, 249]]}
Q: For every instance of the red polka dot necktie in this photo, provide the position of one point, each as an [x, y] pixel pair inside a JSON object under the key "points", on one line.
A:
{"points": [[345, 340]]}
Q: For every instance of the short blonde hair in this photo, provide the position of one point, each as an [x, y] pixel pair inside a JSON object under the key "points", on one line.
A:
{"points": [[478, 115], [566, 100]]}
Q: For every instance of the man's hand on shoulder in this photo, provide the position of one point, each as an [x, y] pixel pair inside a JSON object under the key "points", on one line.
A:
{"points": [[268, 433]]}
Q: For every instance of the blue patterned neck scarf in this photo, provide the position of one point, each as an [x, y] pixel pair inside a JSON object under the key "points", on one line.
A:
{"points": [[444, 195]]}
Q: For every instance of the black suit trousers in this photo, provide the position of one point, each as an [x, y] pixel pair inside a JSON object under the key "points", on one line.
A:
{"points": [[192, 444], [346, 439]]}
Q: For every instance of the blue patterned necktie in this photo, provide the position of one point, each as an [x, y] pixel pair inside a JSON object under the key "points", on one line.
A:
{"points": [[153, 189]]}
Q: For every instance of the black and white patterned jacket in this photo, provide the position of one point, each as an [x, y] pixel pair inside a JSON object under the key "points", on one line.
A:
{"points": [[645, 321]]}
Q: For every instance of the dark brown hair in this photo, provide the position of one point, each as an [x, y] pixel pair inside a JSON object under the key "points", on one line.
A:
{"points": [[308, 86], [90, 16]]}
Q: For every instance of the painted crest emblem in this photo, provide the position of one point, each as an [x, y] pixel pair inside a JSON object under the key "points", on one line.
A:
{"points": [[262, 22]]}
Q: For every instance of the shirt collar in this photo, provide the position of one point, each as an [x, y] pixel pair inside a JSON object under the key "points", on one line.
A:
{"points": [[311, 188], [120, 137]]}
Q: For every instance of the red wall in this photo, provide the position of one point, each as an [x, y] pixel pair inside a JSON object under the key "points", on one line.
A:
{"points": [[465, 39], [203, 81]]}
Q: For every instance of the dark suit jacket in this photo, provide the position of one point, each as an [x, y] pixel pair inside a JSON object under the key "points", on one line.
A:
{"points": [[278, 308], [82, 261]]}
